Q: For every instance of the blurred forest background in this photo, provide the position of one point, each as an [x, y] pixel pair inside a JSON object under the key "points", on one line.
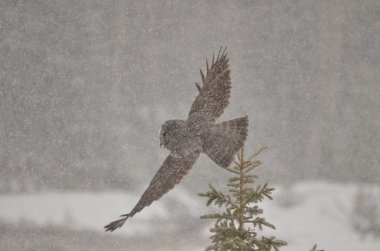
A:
{"points": [[85, 86]]}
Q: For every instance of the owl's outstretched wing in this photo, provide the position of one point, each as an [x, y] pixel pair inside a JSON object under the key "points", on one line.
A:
{"points": [[214, 94], [169, 174]]}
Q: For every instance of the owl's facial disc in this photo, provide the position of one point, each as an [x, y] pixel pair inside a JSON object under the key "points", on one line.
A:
{"points": [[163, 135]]}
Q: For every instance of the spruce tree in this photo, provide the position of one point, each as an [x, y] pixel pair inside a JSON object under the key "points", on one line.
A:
{"points": [[236, 229], [315, 248]]}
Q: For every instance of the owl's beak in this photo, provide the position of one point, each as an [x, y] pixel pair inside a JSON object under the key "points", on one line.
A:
{"points": [[161, 145]]}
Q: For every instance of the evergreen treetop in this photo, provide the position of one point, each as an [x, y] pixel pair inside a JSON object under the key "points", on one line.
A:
{"points": [[236, 229]]}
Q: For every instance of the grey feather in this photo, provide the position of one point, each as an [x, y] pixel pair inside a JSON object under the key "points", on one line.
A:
{"points": [[187, 139]]}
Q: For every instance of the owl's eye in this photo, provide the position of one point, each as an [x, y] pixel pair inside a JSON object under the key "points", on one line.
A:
{"points": [[164, 134]]}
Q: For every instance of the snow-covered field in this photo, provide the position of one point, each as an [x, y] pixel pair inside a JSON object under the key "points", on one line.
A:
{"points": [[321, 213], [305, 214]]}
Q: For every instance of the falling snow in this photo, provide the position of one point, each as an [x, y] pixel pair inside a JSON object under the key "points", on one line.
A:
{"points": [[86, 85]]}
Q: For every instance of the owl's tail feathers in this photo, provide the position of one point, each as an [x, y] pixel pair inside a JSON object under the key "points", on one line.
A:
{"points": [[225, 139], [116, 224]]}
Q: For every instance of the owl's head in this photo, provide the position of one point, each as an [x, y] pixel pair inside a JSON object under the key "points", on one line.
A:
{"points": [[170, 133]]}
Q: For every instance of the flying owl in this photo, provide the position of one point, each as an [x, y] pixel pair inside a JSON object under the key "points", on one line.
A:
{"points": [[187, 139]]}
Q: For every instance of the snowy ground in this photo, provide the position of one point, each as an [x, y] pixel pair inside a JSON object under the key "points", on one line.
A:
{"points": [[321, 213], [307, 213]]}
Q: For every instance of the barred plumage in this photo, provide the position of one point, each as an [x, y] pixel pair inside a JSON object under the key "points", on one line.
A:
{"points": [[187, 139]]}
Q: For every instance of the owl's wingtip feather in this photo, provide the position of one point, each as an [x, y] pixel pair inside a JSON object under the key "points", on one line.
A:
{"points": [[116, 224]]}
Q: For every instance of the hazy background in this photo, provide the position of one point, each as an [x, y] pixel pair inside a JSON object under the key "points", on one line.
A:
{"points": [[85, 86]]}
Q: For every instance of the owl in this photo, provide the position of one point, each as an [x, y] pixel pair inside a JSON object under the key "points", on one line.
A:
{"points": [[187, 139]]}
